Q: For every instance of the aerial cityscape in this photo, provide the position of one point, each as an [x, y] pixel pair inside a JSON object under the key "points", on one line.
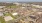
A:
{"points": [[20, 12]]}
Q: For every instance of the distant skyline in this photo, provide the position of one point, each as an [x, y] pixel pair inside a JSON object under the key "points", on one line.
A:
{"points": [[20, 0]]}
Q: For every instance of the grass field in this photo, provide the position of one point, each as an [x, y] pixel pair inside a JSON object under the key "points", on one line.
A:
{"points": [[2, 20]]}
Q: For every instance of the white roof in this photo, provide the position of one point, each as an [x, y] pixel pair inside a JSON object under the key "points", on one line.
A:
{"points": [[1, 14], [2, 6], [14, 14], [7, 18]]}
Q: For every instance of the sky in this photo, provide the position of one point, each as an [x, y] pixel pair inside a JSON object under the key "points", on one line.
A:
{"points": [[20, 0]]}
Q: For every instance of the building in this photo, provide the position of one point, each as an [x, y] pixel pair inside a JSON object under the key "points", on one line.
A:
{"points": [[39, 12], [2, 6], [40, 6], [17, 4], [14, 14], [24, 4], [23, 7], [37, 6], [7, 18], [1, 14]]}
